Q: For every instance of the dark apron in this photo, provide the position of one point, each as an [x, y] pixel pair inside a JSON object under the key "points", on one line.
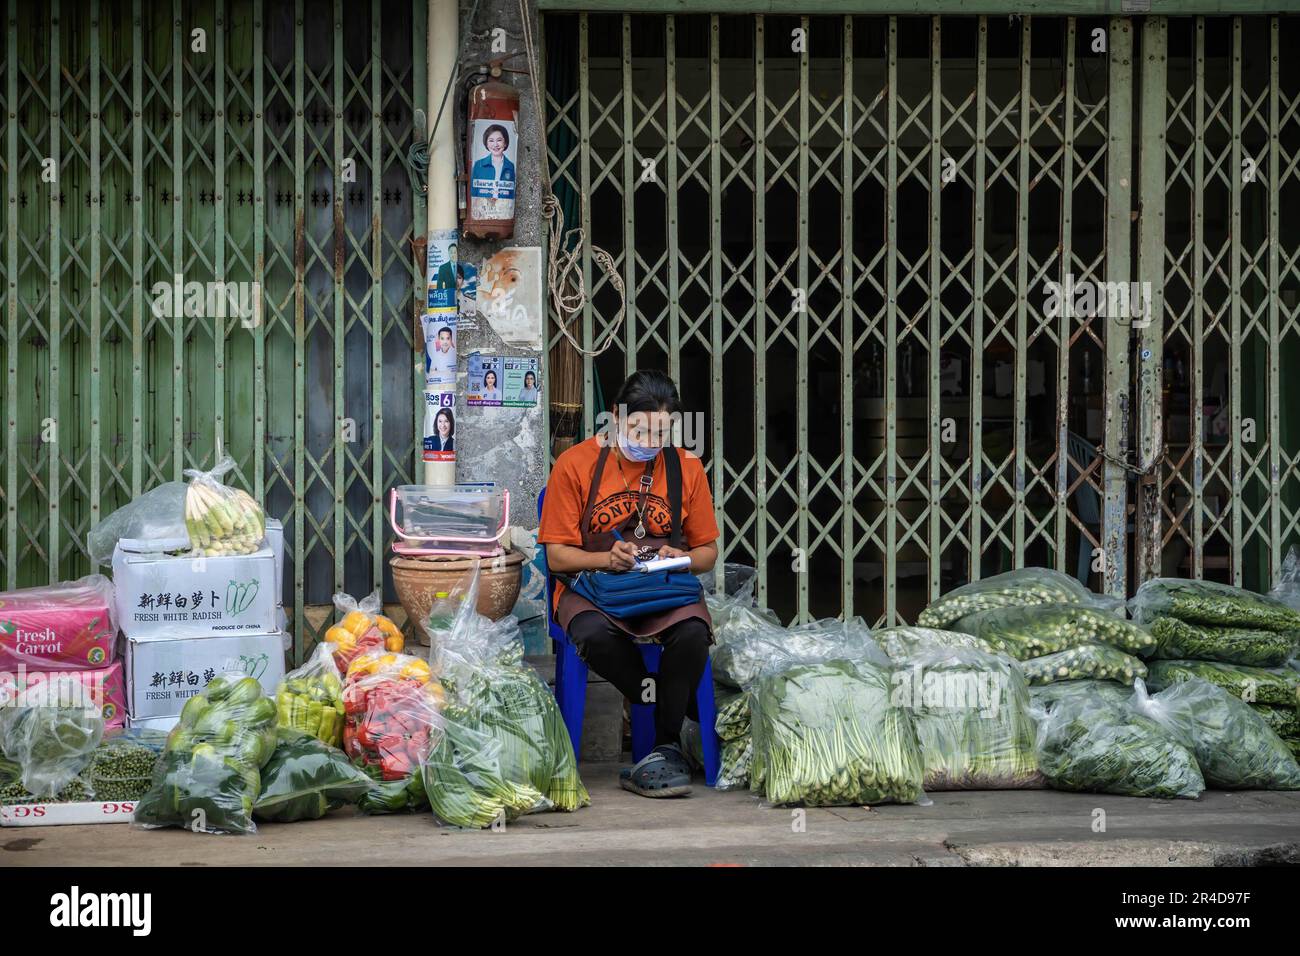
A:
{"points": [[571, 605]]}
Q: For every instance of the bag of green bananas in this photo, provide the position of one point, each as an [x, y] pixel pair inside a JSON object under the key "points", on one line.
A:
{"points": [[221, 520], [209, 777], [310, 699]]}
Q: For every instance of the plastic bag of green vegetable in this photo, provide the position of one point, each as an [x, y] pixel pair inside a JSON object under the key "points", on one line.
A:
{"points": [[49, 730], [1233, 745], [466, 783], [1025, 632], [971, 710], [310, 698], [1284, 721], [733, 717], [1209, 602], [904, 641], [491, 691], [1182, 640], [733, 768], [1287, 589], [1043, 697], [1085, 662], [1023, 587], [121, 768], [737, 595], [753, 646], [828, 734], [209, 778], [1279, 686], [306, 778], [1091, 742]]}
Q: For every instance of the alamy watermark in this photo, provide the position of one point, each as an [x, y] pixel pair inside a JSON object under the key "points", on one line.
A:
{"points": [[683, 429], [917, 688], [1123, 301], [211, 300]]}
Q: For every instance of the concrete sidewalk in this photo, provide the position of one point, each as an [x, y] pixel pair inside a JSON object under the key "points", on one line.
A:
{"points": [[969, 828]]}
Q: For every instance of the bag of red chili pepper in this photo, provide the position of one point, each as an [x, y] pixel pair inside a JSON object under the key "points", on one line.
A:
{"points": [[388, 723]]}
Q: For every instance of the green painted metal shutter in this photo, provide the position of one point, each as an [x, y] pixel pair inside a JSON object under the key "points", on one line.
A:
{"points": [[270, 147], [914, 182]]}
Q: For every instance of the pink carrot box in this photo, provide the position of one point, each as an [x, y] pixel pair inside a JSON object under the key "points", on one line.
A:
{"points": [[107, 686], [68, 626]]}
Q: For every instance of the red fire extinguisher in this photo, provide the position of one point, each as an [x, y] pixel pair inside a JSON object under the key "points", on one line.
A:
{"points": [[491, 139]]}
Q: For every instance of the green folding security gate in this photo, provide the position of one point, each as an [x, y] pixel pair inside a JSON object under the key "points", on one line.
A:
{"points": [[229, 141], [854, 220]]}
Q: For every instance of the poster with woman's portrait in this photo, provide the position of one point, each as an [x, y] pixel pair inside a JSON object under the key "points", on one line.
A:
{"points": [[521, 387], [439, 426], [492, 177], [483, 380]]}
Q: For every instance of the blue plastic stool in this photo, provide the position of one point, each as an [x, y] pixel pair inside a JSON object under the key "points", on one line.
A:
{"points": [[571, 691]]}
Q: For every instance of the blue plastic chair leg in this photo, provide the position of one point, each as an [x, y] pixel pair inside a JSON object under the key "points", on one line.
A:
{"points": [[571, 690], [709, 726], [643, 715]]}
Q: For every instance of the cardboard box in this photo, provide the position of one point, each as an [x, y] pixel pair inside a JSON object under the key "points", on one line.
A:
{"points": [[163, 724], [65, 814], [106, 684], [62, 626], [162, 675], [164, 597], [275, 541]]}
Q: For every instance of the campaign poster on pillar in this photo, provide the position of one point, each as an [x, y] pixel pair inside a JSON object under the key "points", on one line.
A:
{"points": [[439, 426], [492, 177], [440, 349], [440, 270], [520, 384], [483, 380]]}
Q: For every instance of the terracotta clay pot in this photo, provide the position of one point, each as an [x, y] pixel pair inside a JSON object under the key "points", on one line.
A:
{"points": [[419, 581]]}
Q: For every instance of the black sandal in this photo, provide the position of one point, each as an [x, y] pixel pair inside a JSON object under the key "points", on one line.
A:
{"points": [[663, 772]]}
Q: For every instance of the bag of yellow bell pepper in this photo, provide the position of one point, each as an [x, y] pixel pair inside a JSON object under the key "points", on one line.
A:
{"points": [[361, 628], [310, 699]]}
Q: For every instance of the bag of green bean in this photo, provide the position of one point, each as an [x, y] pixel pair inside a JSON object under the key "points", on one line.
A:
{"points": [[1279, 686], [1025, 632], [1023, 587], [971, 710], [1284, 721], [1233, 745], [1182, 640], [828, 734], [1209, 602], [1091, 742], [1085, 662]]}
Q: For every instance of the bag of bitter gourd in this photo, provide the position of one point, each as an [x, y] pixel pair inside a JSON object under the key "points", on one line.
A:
{"points": [[1020, 588], [493, 695]]}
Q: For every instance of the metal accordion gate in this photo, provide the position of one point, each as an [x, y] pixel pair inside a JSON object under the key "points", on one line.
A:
{"points": [[951, 295], [228, 141]]}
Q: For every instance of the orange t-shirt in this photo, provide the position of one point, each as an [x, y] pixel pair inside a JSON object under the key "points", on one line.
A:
{"points": [[616, 501]]}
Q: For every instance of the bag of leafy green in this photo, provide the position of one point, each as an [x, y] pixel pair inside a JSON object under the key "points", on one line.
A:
{"points": [[491, 691], [1088, 742], [306, 778], [753, 647], [1182, 640], [1085, 662], [733, 717], [736, 601], [904, 641], [1023, 587], [971, 711], [1043, 697], [1279, 686], [828, 734], [1284, 721], [733, 769], [1025, 632], [1209, 602], [50, 730], [209, 778], [1233, 745]]}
